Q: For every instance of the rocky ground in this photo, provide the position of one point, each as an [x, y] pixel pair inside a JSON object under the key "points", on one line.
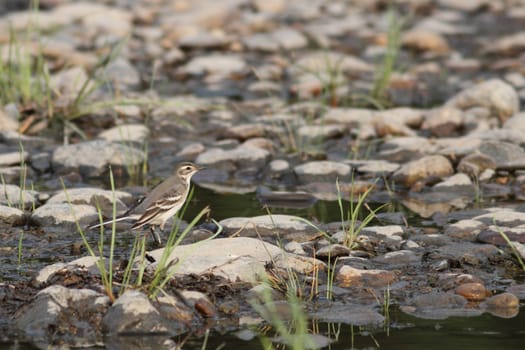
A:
{"points": [[285, 101]]}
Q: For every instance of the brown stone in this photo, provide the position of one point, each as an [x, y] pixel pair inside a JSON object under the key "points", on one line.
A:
{"points": [[348, 276], [472, 291]]}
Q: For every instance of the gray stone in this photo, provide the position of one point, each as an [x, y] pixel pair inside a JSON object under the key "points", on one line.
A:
{"points": [[401, 257], [439, 306], [357, 315], [403, 149], [375, 166], [239, 157], [64, 215], [12, 195], [502, 152], [10, 215], [417, 170], [443, 121], [516, 122], [312, 133], [277, 225], [333, 251], [7, 121], [134, 313], [13, 158], [223, 65], [457, 181], [92, 158], [236, 259], [323, 171], [95, 197], [204, 40], [61, 308], [475, 164], [127, 133], [86, 262], [496, 95]]}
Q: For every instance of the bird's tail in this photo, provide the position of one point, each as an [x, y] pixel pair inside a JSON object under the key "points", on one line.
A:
{"points": [[122, 218]]}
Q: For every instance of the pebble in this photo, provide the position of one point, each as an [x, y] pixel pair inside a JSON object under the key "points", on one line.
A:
{"points": [[472, 291], [324, 171]]}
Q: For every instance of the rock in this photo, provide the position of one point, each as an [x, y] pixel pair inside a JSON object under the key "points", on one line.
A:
{"points": [[502, 216], [443, 122], [401, 257], [278, 166], [502, 153], [353, 117], [473, 254], [7, 121], [516, 122], [323, 61], [95, 197], [237, 158], [429, 166], [475, 164], [13, 158], [504, 305], [127, 133], [205, 40], [12, 195], [375, 166], [494, 94], [421, 40], [65, 215], [332, 251], [348, 276], [493, 235], [283, 38], [456, 182], [439, 306], [92, 158], [472, 291], [323, 171], [357, 315], [222, 65], [506, 44], [190, 151], [68, 83], [464, 229], [134, 313], [10, 215], [317, 133], [404, 149], [73, 315], [236, 259], [88, 263], [270, 226]]}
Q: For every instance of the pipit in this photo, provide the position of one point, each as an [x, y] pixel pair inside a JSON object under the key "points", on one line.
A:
{"points": [[162, 203]]}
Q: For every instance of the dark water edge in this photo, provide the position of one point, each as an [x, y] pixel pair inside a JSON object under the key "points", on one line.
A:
{"points": [[405, 332]]}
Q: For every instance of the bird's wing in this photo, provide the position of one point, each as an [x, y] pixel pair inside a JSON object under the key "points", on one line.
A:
{"points": [[157, 208]]}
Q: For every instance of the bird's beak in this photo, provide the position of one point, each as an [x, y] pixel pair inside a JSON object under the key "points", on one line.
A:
{"points": [[199, 167]]}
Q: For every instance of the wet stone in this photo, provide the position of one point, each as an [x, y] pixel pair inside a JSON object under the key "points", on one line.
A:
{"points": [[464, 229], [134, 133], [92, 158], [401, 257], [134, 313], [245, 259], [430, 166], [325, 171], [475, 164], [12, 195], [240, 157], [285, 225], [494, 94], [65, 309], [332, 251], [10, 215], [348, 276], [472, 291], [439, 306], [357, 315], [64, 215], [13, 158]]}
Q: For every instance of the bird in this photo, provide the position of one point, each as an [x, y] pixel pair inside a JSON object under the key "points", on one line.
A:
{"points": [[162, 203]]}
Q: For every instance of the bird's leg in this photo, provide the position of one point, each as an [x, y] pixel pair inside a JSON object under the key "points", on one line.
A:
{"points": [[156, 235]]}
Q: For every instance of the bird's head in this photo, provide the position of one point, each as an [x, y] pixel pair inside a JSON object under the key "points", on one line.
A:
{"points": [[186, 170]]}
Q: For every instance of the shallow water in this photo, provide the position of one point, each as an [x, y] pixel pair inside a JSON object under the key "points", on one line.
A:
{"points": [[404, 331]]}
